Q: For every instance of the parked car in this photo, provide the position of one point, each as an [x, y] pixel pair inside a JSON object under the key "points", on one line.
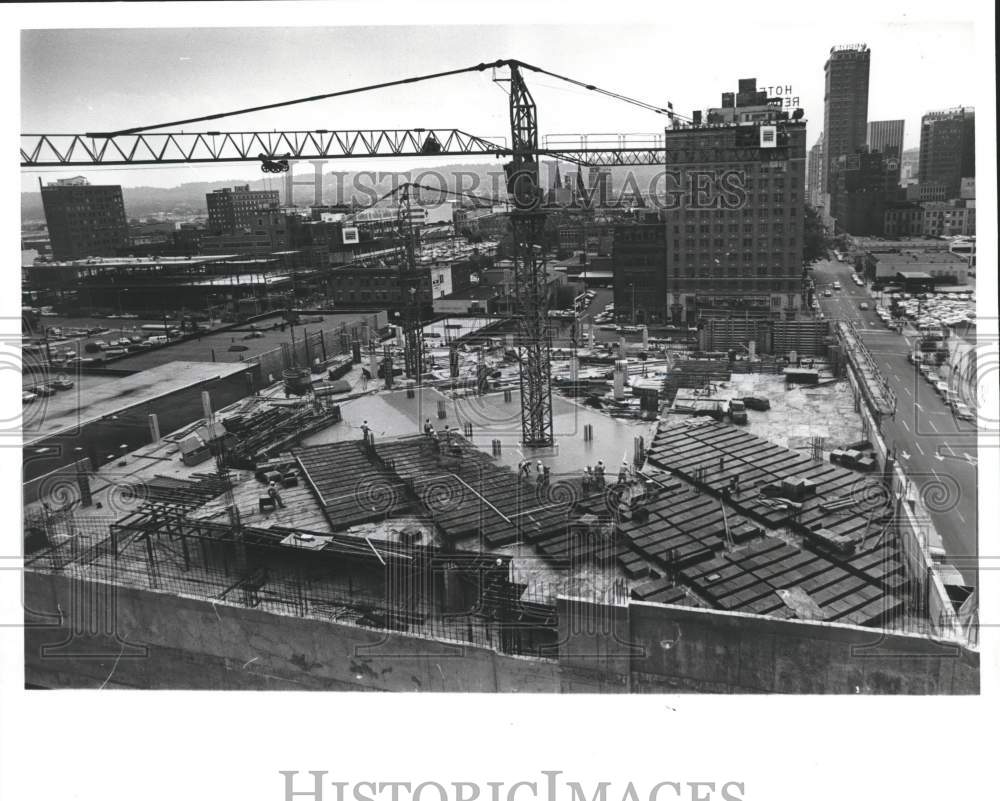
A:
{"points": [[61, 384], [963, 412], [828, 294], [43, 390], [942, 388]]}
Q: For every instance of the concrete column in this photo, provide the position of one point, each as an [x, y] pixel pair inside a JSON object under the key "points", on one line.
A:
{"points": [[752, 347], [206, 405], [154, 428], [621, 366], [645, 337], [574, 367]]}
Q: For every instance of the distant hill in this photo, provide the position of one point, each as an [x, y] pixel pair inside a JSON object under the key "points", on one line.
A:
{"points": [[485, 180]]}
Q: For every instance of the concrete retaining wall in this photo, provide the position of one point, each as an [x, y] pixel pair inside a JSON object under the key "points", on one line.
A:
{"points": [[189, 643], [707, 651], [167, 641]]}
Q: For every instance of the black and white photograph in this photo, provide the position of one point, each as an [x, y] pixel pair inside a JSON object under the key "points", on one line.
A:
{"points": [[603, 353]]}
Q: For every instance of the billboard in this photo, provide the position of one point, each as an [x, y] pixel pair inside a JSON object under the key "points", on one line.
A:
{"points": [[351, 236]]}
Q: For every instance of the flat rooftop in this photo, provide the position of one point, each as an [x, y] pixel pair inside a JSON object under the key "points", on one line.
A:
{"points": [[69, 410], [915, 258]]}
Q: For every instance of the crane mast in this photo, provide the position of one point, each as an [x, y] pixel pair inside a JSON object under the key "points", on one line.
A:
{"points": [[530, 276], [410, 288]]}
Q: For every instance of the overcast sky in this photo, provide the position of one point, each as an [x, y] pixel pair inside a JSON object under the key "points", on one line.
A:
{"points": [[75, 81]]}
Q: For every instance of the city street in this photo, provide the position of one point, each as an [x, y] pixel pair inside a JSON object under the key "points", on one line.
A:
{"points": [[936, 450]]}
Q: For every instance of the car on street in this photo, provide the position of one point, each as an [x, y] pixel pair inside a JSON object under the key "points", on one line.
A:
{"points": [[963, 412], [28, 397], [863, 307], [61, 384], [828, 294], [942, 388], [836, 284]]}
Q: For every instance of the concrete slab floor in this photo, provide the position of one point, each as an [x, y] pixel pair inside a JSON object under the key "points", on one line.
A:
{"points": [[798, 413], [392, 414]]}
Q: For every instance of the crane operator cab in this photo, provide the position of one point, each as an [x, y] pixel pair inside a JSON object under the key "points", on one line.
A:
{"points": [[268, 164], [431, 145]]}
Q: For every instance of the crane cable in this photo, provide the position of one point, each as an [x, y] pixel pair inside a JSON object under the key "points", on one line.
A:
{"points": [[414, 185], [668, 111], [416, 79]]}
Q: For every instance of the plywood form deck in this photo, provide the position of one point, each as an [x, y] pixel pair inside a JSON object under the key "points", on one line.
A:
{"points": [[866, 587]]}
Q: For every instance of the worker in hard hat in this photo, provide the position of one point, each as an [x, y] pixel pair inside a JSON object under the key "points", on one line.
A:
{"points": [[275, 495]]}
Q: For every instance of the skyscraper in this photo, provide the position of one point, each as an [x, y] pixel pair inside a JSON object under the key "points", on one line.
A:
{"points": [[814, 176], [948, 148], [84, 220], [886, 136], [845, 104]]}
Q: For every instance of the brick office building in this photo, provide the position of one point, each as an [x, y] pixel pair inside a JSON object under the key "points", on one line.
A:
{"points": [[83, 219], [231, 211], [731, 230]]}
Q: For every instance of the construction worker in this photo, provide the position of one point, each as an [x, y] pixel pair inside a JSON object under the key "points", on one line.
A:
{"points": [[366, 432], [274, 495], [447, 435], [538, 466], [428, 428], [588, 480], [623, 473], [525, 467], [599, 475]]}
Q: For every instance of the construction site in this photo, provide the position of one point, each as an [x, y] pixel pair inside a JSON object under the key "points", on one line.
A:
{"points": [[461, 506]]}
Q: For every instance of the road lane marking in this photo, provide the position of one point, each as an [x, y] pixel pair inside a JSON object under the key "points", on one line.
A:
{"points": [[960, 516], [906, 389], [905, 426], [935, 472], [917, 444], [931, 423], [970, 459]]}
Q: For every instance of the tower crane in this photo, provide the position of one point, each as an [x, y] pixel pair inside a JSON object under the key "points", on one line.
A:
{"points": [[408, 274], [149, 144]]}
